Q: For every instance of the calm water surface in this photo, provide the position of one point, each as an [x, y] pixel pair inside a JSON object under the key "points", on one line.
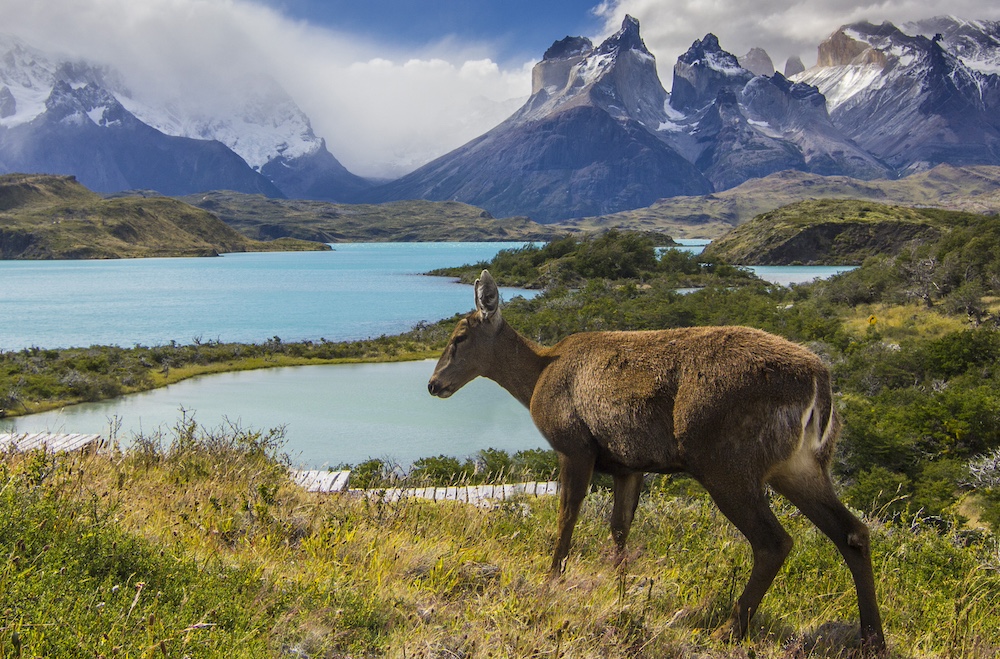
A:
{"points": [[332, 414], [359, 290]]}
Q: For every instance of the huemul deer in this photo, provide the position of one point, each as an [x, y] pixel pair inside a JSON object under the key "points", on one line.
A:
{"points": [[737, 408]]}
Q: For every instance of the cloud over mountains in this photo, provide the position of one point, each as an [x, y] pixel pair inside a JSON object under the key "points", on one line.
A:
{"points": [[384, 108]]}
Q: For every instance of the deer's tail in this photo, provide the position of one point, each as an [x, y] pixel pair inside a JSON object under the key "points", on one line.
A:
{"points": [[822, 423]]}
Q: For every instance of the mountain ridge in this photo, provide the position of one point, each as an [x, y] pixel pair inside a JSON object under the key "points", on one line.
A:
{"points": [[273, 149]]}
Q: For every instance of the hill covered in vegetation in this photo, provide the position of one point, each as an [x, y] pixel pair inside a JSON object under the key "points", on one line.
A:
{"points": [[55, 217], [843, 232], [259, 217], [573, 260]]}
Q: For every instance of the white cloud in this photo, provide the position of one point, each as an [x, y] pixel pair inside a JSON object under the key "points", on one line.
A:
{"points": [[382, 111], [781, 27]]}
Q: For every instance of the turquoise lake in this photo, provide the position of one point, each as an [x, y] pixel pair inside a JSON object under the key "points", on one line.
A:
{"points": [[331, 414], [356, 291]]}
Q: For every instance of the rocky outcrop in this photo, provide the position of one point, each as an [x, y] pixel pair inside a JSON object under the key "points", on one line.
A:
{"points": [[824, 232], [840, 49], [793, 66], [704, 71], [8, 104], [552, 73], [757, 62]]}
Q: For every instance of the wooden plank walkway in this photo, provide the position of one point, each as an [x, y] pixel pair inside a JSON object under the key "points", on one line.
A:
{"points": [[474, 494], [53, 442], [321, 480], [318, 480]]}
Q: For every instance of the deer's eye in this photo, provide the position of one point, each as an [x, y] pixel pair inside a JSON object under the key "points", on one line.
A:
{"points": [[460, 338]]}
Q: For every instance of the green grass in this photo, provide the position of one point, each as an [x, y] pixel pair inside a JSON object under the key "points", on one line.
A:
{"points": [[198, 545]]}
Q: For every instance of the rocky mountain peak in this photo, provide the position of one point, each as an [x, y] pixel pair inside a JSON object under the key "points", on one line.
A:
{"points": [[702, 72], [569, 47], [794, 66], [619, 76], [627, 38], [82, 104], [911, 100], [757, 62], [975, 43]]}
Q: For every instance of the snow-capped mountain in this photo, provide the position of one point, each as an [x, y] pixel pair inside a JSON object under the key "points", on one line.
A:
{"points": [[80, 128], [599, 134], [975, 43], [263, 126], [911, 100], [584, 143]]}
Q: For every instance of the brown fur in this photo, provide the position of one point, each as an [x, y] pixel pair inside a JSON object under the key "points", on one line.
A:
{"points": [[735, 407]]}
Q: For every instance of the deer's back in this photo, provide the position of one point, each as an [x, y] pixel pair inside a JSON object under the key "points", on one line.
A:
{"points": [[646, 399]]}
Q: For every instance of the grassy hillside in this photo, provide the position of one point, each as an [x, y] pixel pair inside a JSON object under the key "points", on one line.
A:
{"points": [[54, 217], [197, 544], [971, 189], [402, 221], [836, 232]]}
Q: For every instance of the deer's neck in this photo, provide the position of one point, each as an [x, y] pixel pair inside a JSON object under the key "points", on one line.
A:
{"points": [[518, 365]]}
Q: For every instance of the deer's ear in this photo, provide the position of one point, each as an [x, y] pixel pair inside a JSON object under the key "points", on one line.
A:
{"points": [[487, 296]]}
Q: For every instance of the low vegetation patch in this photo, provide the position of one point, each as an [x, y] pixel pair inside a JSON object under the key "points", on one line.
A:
{"points": [[612, 255], [36, 379]]}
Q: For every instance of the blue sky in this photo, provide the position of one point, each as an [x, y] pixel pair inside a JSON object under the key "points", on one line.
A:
{"points": [[514, 30], [391, 84]]}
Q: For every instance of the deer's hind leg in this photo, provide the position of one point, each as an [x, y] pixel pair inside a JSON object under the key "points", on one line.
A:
{"points": [[745, 503], [812, 492]]}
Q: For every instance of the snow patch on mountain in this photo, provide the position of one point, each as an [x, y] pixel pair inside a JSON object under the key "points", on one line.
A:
{"points": [[975, 43], [840, 84], [261, 124]]}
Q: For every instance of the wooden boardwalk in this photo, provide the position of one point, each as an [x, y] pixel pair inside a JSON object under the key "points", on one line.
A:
{"points": [[474, 494], [320, 480], [317, 480], [53, 442]]}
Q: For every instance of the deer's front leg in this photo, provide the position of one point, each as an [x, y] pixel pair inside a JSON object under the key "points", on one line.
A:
{"points": [[574, 480], [627, 489]]}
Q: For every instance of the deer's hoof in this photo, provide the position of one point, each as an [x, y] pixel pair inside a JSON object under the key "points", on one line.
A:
{"points": [[729, 632]]}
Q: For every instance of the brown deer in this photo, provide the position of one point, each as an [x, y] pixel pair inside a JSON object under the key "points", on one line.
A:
{"points": [[735, 407]]}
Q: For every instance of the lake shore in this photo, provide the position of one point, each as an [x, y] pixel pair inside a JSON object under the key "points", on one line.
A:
{"points": [[72, 376]]}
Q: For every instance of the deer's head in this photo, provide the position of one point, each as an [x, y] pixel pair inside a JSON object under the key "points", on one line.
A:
{"points": [[470, 350]]}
